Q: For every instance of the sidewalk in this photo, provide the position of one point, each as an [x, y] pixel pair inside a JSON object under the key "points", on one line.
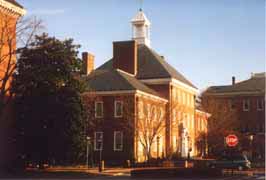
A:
{"points": [[126, 172], [93, 171]]}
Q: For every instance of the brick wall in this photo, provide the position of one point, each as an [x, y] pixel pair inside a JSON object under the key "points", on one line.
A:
{"points": [[7, 34]]}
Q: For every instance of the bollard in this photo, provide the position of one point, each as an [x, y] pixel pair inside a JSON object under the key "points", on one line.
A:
{"points": [[101, 166], [128, 163]]}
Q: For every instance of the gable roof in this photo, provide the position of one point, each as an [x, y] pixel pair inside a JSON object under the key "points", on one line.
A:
{"points": [[115, 80], [255, 84], [152, 66], [14, 3]]}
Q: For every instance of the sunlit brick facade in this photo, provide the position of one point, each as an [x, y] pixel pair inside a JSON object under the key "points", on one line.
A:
{"points": [[10, 11], [157, 101]]}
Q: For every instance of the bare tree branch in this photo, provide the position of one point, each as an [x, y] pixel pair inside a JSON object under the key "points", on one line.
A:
{"points": [[15, 33]]}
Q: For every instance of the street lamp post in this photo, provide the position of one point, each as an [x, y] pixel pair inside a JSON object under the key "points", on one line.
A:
{"points": [[251, 137], [87, 154], [100, 160], [188, 153], [158, 147]]}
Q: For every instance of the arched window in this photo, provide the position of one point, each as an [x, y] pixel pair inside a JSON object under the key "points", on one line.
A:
{"points": [[140, 109]]}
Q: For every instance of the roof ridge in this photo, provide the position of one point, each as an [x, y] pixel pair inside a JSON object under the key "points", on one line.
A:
{"points": [[164, 63], [138, 81], [156, 55], [119, 73]]}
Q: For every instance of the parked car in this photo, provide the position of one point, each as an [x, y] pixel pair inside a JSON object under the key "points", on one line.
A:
{"points": [[239, 162]]}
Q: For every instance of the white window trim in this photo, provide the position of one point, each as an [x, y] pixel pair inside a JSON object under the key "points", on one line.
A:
{"points": [[115, 114], [95, 147], [95, 108], [115, 134], [246, 101], [260, 101]]}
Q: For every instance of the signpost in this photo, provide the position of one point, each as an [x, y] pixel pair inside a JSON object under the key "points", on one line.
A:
{"points": [[231, 140]]}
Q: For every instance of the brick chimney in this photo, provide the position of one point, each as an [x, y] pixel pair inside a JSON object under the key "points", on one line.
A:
{"points": [[87, 63], [233, 80], [125, 56]]}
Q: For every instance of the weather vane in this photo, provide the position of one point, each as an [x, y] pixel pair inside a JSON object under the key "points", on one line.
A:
{"points": [[140, 4]]}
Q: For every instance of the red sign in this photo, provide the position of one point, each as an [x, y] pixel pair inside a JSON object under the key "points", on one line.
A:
{"points": [[231, 140]]}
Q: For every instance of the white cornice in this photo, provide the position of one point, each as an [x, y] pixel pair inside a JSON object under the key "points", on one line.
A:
{"points": [[119, 70], [240, 93], [137, 92], [156, 81], [170, 81], [179, 83], [11, 7], [202, 112], [151, 96], [111, 92]]}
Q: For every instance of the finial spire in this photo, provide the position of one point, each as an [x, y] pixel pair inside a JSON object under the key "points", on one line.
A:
{"points": [[140, 5]]}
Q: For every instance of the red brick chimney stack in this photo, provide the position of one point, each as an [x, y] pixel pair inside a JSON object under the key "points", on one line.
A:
{"points": [[87, 63], [125, 56], [233, 80]]}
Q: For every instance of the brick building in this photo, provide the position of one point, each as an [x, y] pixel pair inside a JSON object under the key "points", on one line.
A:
{"points": [[10, 11], [246, 99], [137, 97]]}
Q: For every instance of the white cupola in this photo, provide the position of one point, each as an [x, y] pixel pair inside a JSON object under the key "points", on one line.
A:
{"points": [[141, 28]]}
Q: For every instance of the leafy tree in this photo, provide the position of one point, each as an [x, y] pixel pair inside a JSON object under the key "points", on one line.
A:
{"points": [[50, 115]]}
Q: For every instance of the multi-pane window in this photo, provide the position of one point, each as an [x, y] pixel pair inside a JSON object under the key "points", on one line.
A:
{"points": [[184, 98], [140, 109], [154, 113], [149, 112], [260, 104], [192, 121], [174, 117], [179, 116], [188, 121], [98, 109], [118, 141], [118, 108], [98, 141], [161, 114], [245, 105], [188, 100], [178, 95], [174, 93]]}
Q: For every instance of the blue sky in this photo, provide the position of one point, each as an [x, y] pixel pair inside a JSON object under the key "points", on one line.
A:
{"points": [[208, 41]]}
